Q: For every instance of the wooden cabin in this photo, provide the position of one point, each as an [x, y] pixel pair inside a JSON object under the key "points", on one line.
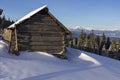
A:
{"points": [[37, 31]]}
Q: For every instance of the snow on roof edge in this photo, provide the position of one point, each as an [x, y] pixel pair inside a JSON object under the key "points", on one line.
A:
{"points": [[28, 16]]}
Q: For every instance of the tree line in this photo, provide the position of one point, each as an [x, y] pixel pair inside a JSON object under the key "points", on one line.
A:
{"points": [[100, 45], [4, 22]]}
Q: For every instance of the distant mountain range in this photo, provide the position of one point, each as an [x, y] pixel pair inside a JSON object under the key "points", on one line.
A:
{"points": [[114, 34]]}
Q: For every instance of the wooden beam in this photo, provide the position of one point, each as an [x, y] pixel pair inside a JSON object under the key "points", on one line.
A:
{"points": [[16, 43], [10, 39]]}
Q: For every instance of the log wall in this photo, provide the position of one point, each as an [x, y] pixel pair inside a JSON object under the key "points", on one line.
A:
{"points": [[40, 33]]}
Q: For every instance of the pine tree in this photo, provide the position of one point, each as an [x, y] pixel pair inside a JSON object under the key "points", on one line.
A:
{"points": [[88, 44], [92, 40], [103, 40], [75, 42], [4, 23], [107, 44], [119, 46], [97, 42], [113, 47], [81, 40]]}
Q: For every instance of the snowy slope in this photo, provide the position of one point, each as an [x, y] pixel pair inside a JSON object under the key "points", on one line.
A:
{"points": [[42, 66]]}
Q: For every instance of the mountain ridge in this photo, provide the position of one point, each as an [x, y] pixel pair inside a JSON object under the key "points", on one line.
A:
{"points": [[109, 33]]}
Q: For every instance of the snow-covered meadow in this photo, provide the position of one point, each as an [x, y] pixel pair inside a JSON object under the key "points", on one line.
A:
{"points": [[43, 66]]}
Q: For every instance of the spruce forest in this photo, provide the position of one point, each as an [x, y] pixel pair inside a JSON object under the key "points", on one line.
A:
{"points": [[4, 22], [101, 45]]}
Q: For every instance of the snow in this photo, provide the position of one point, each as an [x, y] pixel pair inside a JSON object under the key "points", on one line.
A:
{"points": [[43, 66], [27, 16]]}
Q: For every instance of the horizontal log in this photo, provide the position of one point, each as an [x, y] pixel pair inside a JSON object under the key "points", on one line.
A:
{"points": [[36, 38], [47, 47], [42, 16], [41, 47], [41, 43], [41, 24], [51, 51], [41, 34], [37, 19], [39, 28], [28, 41]]}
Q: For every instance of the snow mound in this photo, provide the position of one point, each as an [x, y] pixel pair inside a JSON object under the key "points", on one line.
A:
{"points": [[43, 66]]}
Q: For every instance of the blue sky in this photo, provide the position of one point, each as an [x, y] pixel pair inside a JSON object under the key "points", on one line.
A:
{"points": [[99, 14]]}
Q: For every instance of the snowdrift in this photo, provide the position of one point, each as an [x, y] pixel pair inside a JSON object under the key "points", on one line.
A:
{"points": [[43, 66]]}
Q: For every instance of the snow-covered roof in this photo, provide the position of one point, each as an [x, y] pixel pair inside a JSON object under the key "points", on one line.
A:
{"points": [[28, 16]]}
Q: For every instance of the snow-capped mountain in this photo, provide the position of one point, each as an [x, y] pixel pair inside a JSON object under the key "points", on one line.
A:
{"points": [[109, 33]]}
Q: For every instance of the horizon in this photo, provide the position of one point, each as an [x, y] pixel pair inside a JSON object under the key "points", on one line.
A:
{"points": [[103, 14]]}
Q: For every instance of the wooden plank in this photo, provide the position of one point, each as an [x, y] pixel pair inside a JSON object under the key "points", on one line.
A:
{"points": [[34, 38], [42, 47], [41, 43], [41, 24], [39, 27], [36, 19], [16, 43], [47, 47], [26, 41], [41, 34], [10, 39], [43, 28], [38, 40], [53, 51]]}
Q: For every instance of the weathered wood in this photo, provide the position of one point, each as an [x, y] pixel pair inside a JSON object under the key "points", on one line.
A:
{"points": [[10, 40], [34, 38], [6, 35], [40, 28], [16, 43], [41, 47], [41, 43], [37, 40], [41, 32], [46, 47]]}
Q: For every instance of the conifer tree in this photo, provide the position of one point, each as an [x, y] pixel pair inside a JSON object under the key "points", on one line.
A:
{"points": [[92, 40], [88, 44], [97, 42], [119, 46], [113, 47], [82, 39], [4, 23], [107, 44], [102, 43]]}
